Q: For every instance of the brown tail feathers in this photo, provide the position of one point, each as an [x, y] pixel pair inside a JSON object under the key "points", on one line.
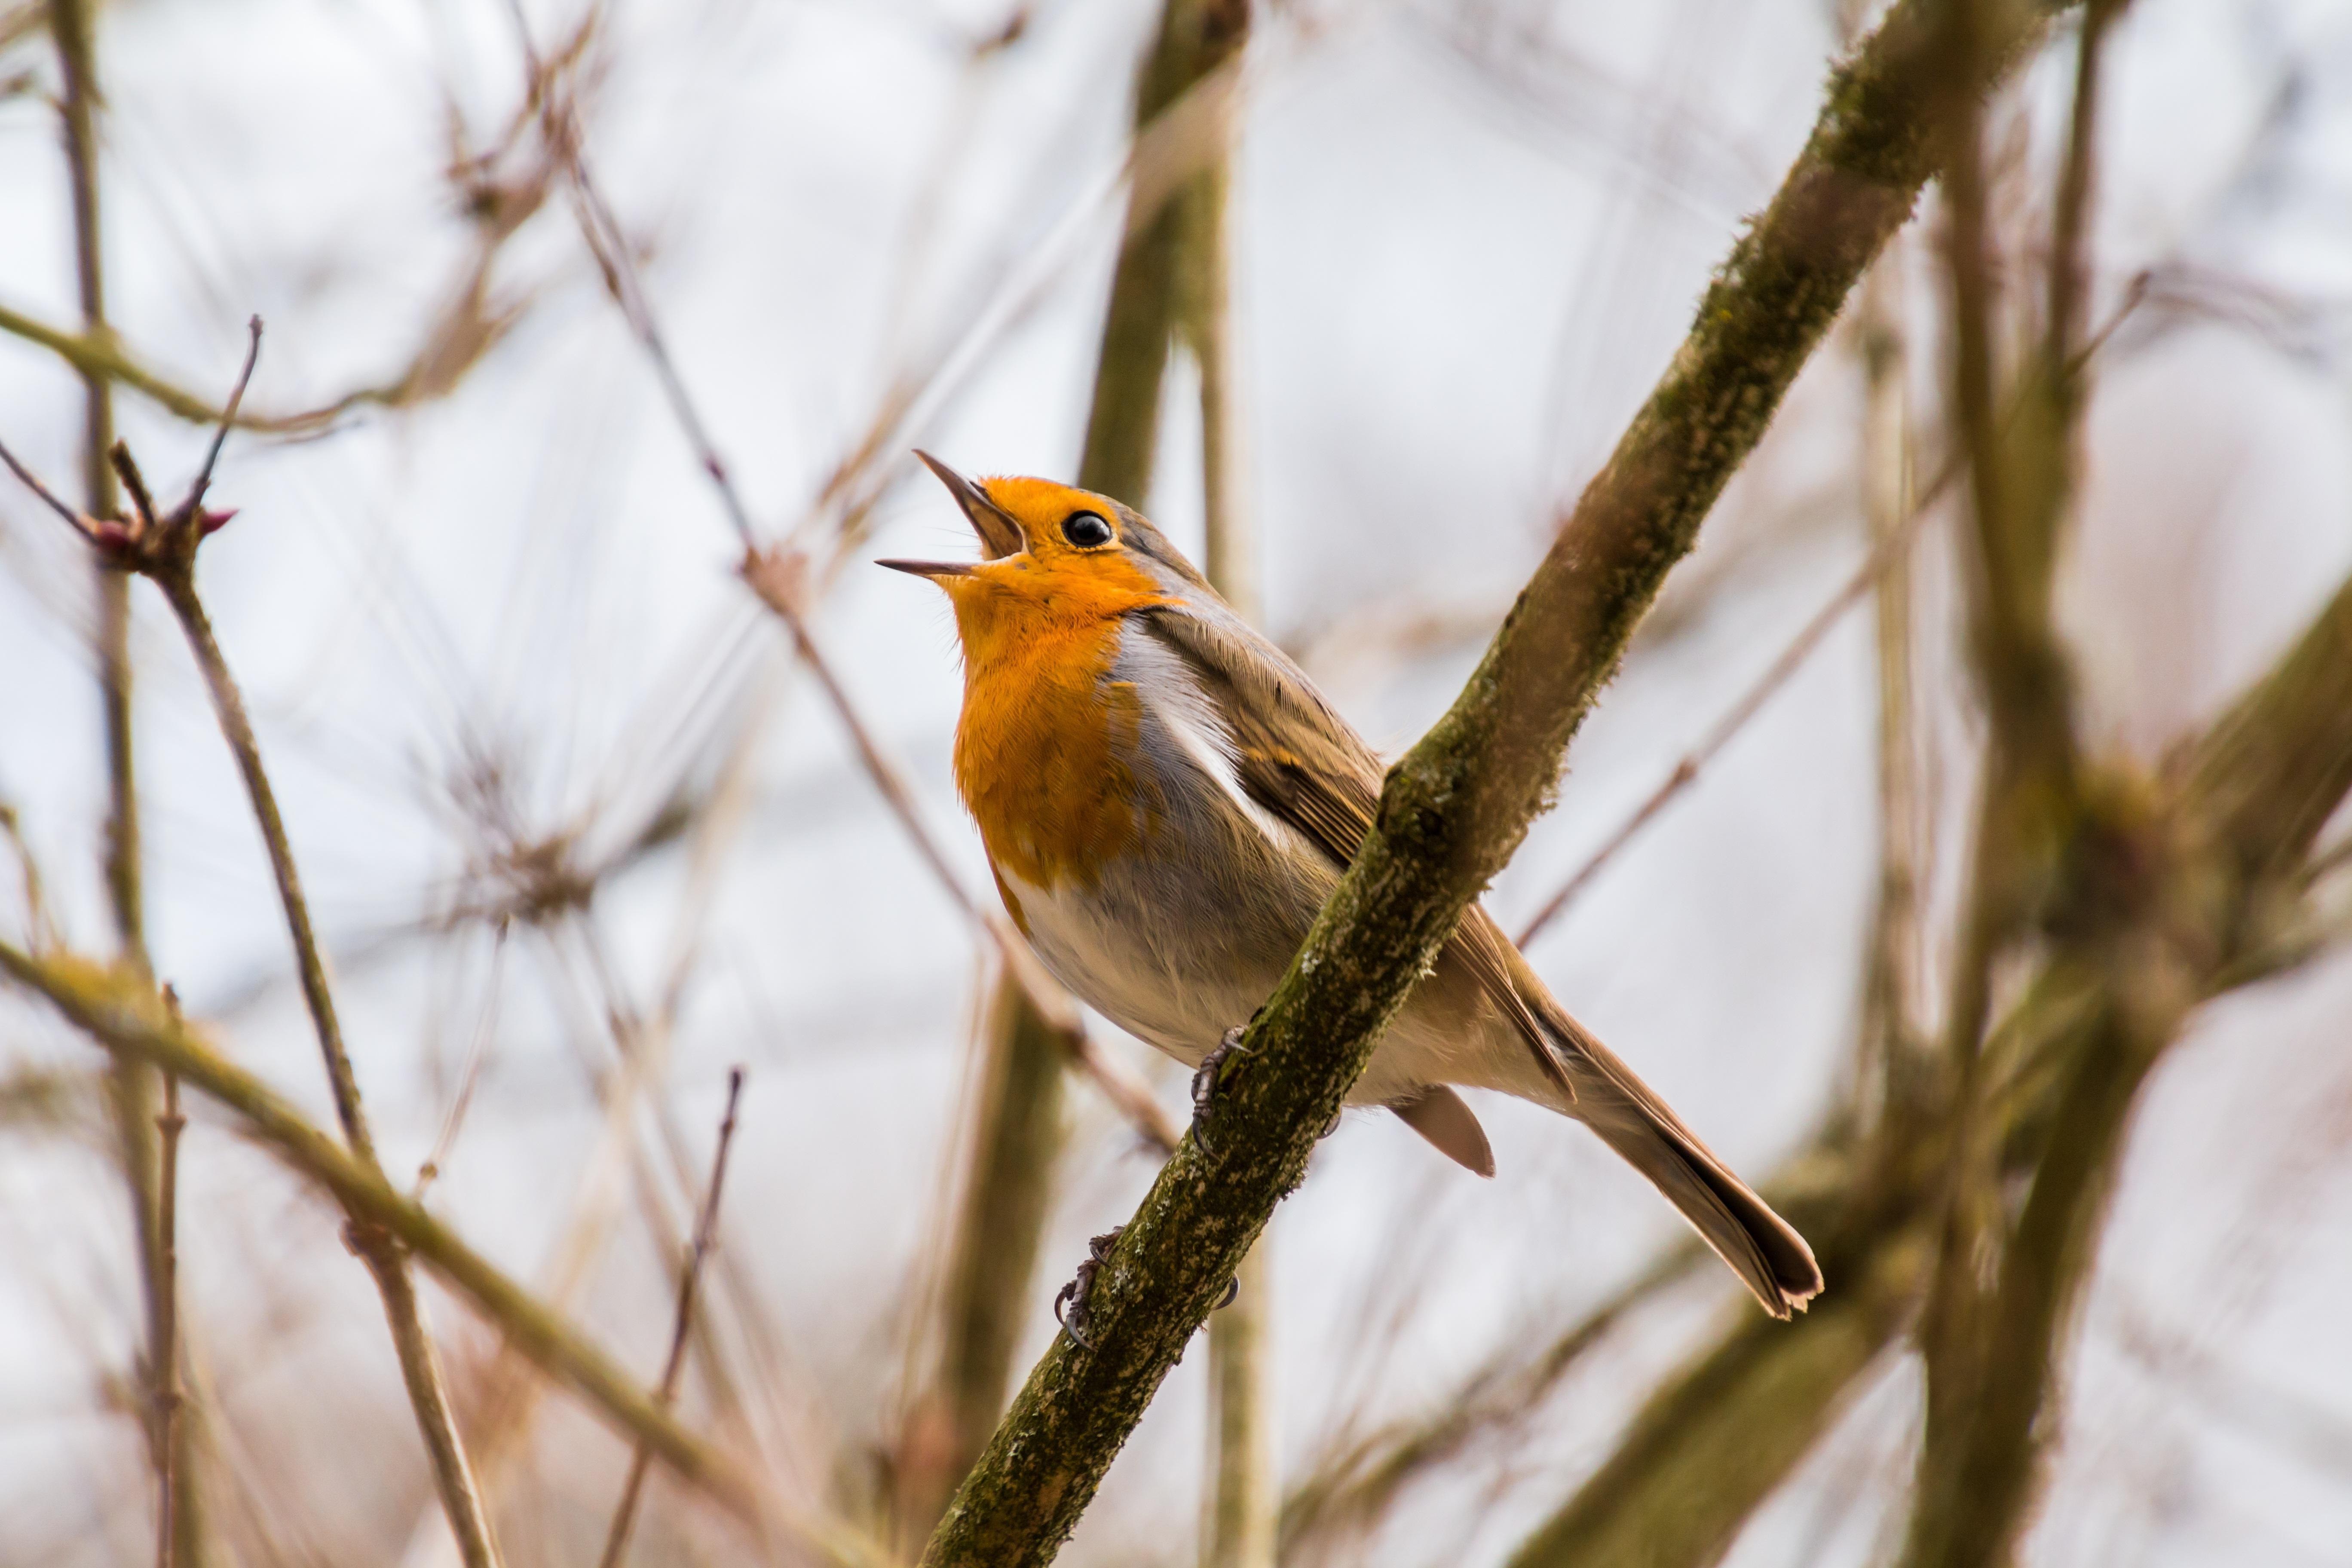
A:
{"points": [[1762, 1248]]}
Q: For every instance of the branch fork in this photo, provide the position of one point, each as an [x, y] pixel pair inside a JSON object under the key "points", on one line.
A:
{"points": [[158, 544]]}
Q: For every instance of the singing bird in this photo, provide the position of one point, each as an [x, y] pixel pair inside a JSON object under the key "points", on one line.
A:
{"points": [[1166, 801]]}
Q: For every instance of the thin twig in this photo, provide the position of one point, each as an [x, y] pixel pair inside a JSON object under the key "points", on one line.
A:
{"points": [[38, 922], [1882, 558], [122, 1013], [1127, 1092], [610, 246], [460, 1498], [73, 519], [1891, 549], [706, 1230], [163, 546], [469, 1075], [1889, 1033], [204, 479], [779, 576]]}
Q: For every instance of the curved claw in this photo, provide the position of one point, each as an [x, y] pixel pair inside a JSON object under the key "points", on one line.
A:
{"points": [[1073, 1324], [1072, 1296], [1204, 1084]]}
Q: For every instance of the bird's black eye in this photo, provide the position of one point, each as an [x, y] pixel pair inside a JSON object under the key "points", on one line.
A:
{"points": [[1086, 529]]}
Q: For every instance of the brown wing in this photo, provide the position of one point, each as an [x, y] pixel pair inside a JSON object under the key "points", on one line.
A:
{"points": [[1299, 760]]}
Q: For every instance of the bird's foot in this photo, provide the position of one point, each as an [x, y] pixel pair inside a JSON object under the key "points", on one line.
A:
{"points": [[1070, 1302], [1204, 1082]]}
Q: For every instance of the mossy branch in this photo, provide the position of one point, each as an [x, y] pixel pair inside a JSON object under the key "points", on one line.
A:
{"points": [[1456, 807]]}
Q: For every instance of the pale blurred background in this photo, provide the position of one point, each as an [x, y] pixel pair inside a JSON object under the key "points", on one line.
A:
{"points": [[1467, 237]]}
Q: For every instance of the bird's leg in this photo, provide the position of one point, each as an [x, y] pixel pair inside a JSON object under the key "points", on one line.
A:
{"points": [[1072, 1296], [1204, 1081]]}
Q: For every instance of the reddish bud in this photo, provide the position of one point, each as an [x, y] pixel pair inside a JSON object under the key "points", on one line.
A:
{"points": [[211, 522]]}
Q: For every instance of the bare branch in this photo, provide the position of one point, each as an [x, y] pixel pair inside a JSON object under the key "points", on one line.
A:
{"points": [[1886, 556], [122, 1014], [73, 520], [706, 1230], [204, 479], [420, 1367]]}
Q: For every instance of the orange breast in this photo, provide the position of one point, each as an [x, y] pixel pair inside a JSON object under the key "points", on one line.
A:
{"points": [[1044, 750]]}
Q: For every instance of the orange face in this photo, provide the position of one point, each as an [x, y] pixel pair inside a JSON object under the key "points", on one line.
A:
{"points": [[1044, 746], [1071, 572]]}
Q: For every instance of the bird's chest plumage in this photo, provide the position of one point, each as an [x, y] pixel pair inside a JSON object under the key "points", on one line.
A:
{"points": [[1045, 754], [1118, 839]]}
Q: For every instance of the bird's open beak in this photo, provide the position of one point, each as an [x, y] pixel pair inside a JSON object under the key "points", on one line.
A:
{"points": [[998, 535]]}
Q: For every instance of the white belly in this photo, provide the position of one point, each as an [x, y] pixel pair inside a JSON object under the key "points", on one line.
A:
{"points": [[1139, 967]]}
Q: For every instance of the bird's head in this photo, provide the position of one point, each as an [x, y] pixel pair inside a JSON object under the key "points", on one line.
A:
{"points": [[1052, 552]]}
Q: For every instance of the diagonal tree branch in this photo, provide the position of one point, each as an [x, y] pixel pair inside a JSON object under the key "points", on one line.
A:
{"points": [[706, 1228], [123, 1014], [1454, 809]]}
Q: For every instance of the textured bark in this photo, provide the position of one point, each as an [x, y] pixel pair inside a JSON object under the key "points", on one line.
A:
{"points": [[1455, 809]]}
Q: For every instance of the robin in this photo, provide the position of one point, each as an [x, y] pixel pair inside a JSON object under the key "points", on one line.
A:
{"points": [[1167, 800]]}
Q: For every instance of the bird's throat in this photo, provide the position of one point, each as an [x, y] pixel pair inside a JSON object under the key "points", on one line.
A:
{"points": [[1046, 750]]}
